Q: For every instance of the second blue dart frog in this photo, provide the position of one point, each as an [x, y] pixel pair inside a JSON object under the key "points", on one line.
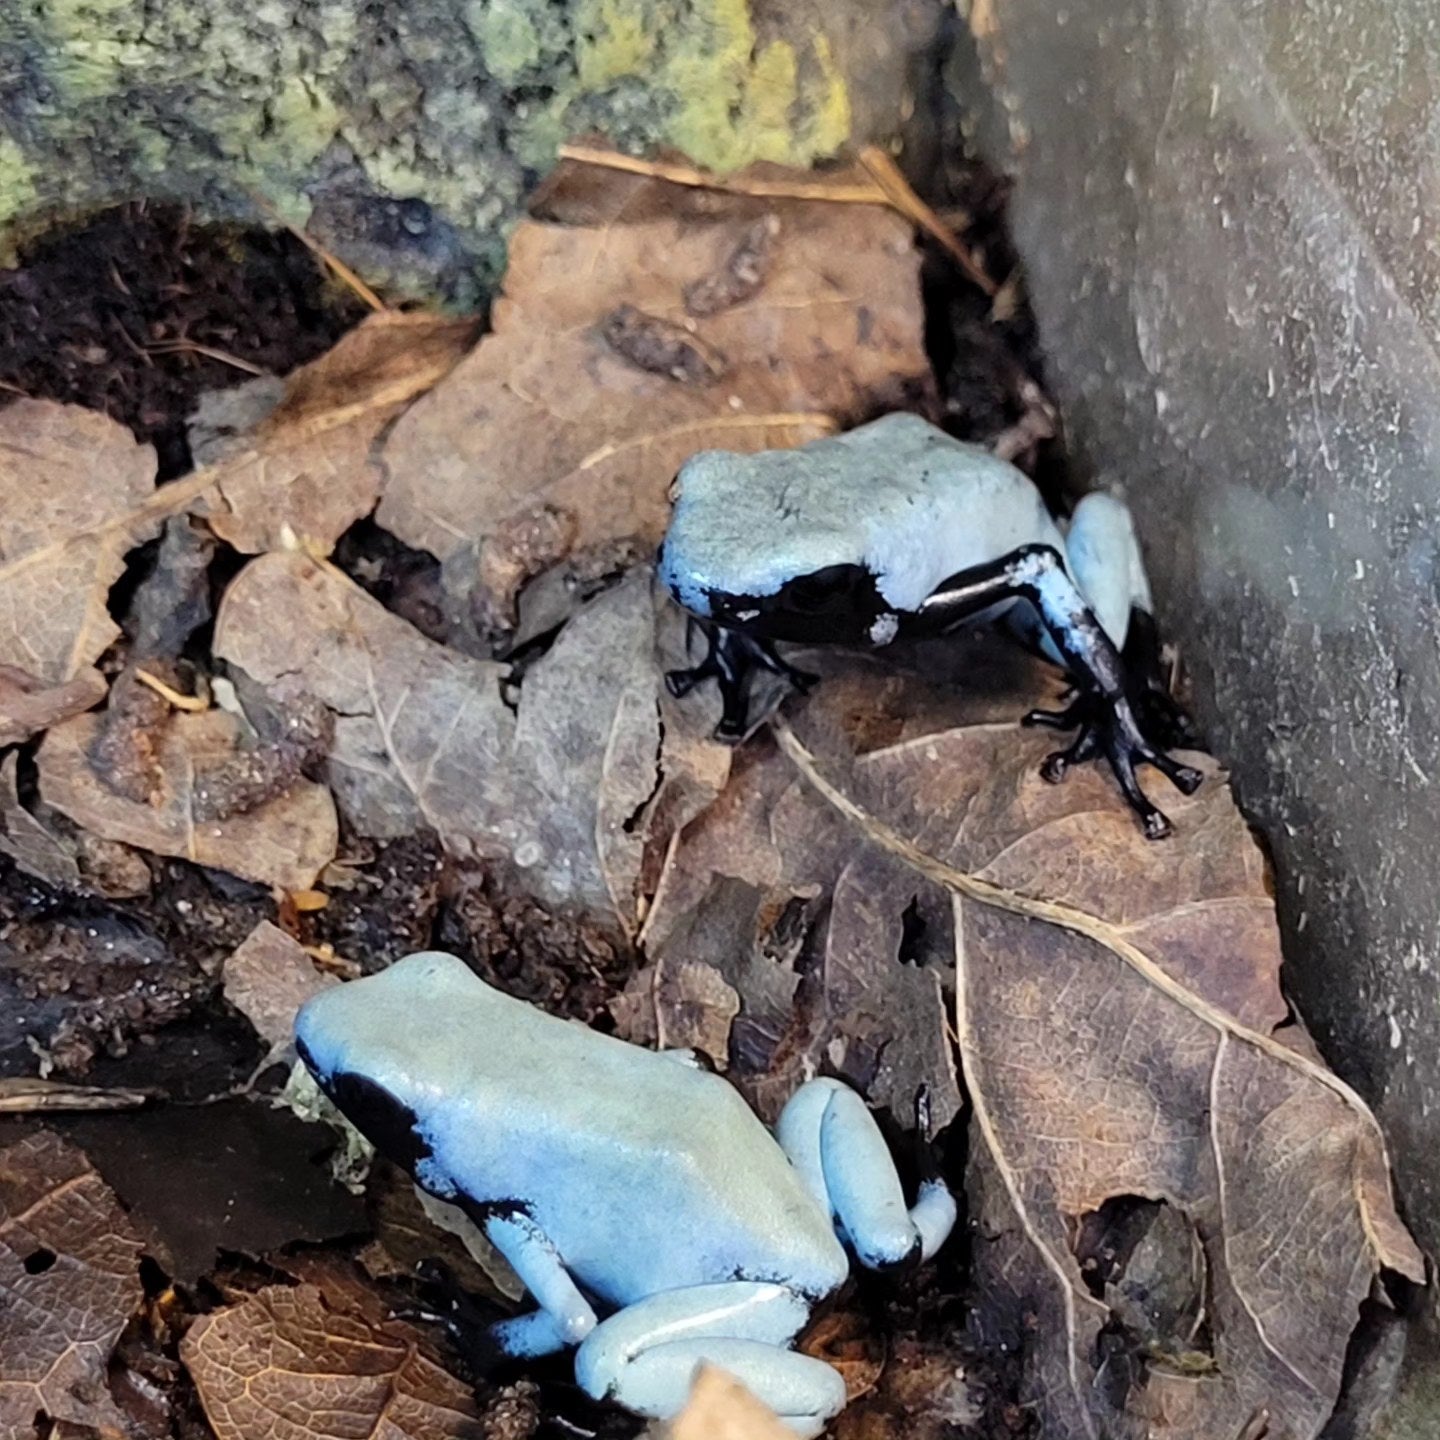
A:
{"points": [[655, 1222], [895, 528]]}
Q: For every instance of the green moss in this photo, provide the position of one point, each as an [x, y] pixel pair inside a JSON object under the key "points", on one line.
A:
{"points": [[300, 122], [508, 36]]}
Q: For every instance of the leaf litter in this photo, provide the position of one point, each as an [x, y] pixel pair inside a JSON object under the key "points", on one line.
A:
{"points": [[1176, 1210]]}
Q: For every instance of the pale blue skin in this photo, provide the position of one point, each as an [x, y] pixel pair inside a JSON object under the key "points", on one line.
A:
{"points": [[634, 1179], [910, 504]]}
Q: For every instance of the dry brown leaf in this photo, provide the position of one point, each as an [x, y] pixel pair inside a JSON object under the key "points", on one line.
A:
{"points": [[1122, 1035], [27, 840], [684, 1006], [286, 1365], [309, 472], [268, 979], [74, 487], [28, 705], [423, 735], [721, 1408], [69, 1282], [766, 878], [286, 841], [549, 412]]}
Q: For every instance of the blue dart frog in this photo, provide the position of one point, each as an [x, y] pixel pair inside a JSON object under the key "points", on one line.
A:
{"points": [[654, 1221], [896, 528]]}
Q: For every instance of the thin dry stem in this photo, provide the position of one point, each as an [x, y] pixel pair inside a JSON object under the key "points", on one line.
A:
{"points": [[677, 174], [896, 189]]}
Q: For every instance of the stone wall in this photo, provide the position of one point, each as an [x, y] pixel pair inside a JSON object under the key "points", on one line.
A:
{"points": [[1228, 211]]}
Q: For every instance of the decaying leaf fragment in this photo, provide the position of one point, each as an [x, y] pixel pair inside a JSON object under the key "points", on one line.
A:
{"points": [[288, 1365], [77, 490], [684, 1006], [601, 373], [423, 734], [268, 979], [721, 1408], [28, 705], [308, 472], [287, 841], [766, 886], [1122, 1036], [69, 1282]]}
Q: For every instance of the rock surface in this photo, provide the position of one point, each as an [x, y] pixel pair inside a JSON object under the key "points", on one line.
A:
{"points": [[405, 135]]}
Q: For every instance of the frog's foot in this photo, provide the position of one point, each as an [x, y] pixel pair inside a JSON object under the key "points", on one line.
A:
{"points": [[1079, 709], [731, 659], [645, 1356], [832, 1139], [1159, 715], [1109, 728]]}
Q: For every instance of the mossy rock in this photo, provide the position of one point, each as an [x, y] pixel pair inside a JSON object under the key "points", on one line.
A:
{"points": [[405, 133]]}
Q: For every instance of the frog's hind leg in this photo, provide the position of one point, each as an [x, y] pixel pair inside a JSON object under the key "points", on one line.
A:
{"points": [[832, 1139], [731, 659], [645, 1356]]}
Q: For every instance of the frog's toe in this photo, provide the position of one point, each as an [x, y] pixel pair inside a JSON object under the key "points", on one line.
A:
{"points": [[1165, 720], [681, 682], [731, 730]]}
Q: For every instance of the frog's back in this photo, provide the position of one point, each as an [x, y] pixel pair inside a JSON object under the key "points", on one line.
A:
{"points": [[614, 1150], [898, 497]]}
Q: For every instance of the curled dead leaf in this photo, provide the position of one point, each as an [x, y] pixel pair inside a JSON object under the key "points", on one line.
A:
{"points": [[309, 467], [1122, 1034]]}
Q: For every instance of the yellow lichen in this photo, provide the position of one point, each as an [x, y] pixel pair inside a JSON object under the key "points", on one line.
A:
{"points": [[17, 185], [738, 105], [301, 122], [613, 38], [830, 118], [770, 100]]}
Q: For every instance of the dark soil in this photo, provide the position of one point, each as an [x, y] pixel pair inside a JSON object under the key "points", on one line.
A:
{"points": [[91, 314]]}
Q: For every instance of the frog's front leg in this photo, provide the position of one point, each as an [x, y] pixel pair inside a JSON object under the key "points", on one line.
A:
{"points": [[645, 1356], [731, 659], [832, 1139], [1036, 573], [565, 1316]]}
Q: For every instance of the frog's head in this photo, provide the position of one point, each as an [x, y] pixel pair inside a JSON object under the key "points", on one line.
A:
{"points": [[738, 552], [370, 1044]]}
